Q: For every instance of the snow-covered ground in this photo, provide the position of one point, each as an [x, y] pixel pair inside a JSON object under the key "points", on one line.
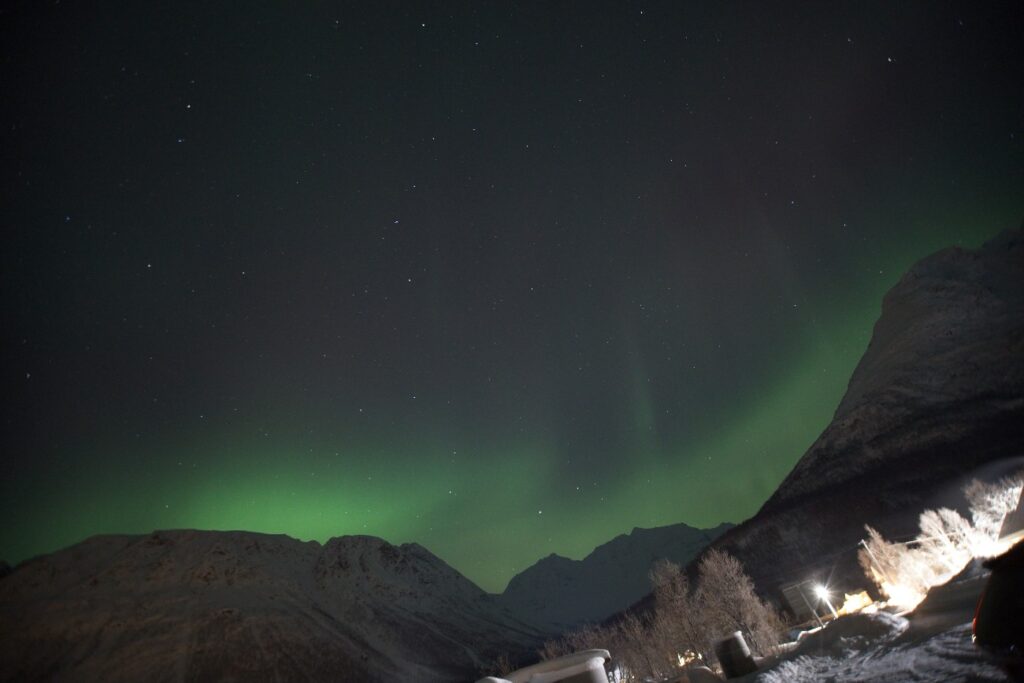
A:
{"points": [[933, 643], [947, 656]]}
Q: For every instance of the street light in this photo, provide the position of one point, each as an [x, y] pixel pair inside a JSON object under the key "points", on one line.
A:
{"points": [[822, 592]]}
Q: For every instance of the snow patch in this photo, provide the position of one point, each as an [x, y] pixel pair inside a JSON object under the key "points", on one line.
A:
{"points": [[853, 633], [949, 656]]}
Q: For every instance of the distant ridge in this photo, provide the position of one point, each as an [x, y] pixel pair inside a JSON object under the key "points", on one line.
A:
{"points": [[558, 593], [223, 605]]}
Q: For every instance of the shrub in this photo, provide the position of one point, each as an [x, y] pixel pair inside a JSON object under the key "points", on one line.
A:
{"points": [[905, 571], [683, 622]]}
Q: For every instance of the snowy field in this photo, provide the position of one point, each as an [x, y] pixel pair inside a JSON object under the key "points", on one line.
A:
{"points": [[947, 656], [933, 643]]}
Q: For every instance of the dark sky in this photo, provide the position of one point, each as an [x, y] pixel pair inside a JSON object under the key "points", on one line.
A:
{"points": [[504, 279]]}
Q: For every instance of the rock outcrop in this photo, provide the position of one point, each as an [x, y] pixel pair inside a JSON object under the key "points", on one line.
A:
{"points": [[205, 605]]}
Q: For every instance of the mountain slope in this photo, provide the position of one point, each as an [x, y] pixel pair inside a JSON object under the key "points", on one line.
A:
{"points": [[937, 398], [210, 605], [560, 593]]}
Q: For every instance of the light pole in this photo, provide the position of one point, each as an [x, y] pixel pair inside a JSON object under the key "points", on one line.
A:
{"points": [[803, 596], [822, 592]]}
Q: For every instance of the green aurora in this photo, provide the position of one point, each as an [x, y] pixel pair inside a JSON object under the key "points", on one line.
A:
{"points": [[443, 494], [503, 280]]}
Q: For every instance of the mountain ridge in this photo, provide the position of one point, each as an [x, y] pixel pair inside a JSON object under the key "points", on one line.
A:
{"points": [[196, 602], [220, 605], [559, 593]]}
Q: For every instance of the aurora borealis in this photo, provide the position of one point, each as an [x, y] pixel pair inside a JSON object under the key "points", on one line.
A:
{"points": [[502, 280]]}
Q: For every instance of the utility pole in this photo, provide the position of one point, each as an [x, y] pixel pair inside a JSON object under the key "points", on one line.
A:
{"points": [[875, 563]]}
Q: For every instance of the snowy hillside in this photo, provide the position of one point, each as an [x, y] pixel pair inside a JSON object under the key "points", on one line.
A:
{"points": [[210, 605]]}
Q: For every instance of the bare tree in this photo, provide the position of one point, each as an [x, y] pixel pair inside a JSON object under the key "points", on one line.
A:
{"points": [[947, 541], [503, 664], [678, 613], [647, 645], [728, 602], [644, 657], [990, 503], [552, 649]]}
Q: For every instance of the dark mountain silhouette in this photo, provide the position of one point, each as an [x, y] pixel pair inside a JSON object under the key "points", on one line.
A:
{"points": [[938, 398], [559, 593]]}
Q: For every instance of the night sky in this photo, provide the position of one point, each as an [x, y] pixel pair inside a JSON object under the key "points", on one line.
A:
{"points": [[503, 279]]}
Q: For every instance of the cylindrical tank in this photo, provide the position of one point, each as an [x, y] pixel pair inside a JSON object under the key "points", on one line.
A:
{"points": [[734, 656]]}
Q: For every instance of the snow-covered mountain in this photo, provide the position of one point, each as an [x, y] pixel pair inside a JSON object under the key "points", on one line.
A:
{"points": [[937, 399], [206, 605], [559, 593]]}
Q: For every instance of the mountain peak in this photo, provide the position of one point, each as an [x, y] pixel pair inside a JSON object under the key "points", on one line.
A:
{"points": [[937, 397], [948, 337], [558, 592]]}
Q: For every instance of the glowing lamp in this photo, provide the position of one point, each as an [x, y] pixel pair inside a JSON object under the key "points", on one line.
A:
{"points": [[822, 592]]}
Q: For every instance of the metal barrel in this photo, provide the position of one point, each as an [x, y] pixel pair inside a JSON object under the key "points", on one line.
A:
{"points": [[734, 656]]}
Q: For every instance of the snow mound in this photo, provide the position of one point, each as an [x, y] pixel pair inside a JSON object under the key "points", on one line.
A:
{"points": [[949, 657], [852, 633]]}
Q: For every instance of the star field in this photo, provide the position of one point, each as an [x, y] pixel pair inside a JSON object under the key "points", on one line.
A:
{"points": [[502, 280]]}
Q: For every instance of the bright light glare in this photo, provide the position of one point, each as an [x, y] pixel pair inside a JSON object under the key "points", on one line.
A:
{"points": [[821, 592], [904, 597], [857, 602]]}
